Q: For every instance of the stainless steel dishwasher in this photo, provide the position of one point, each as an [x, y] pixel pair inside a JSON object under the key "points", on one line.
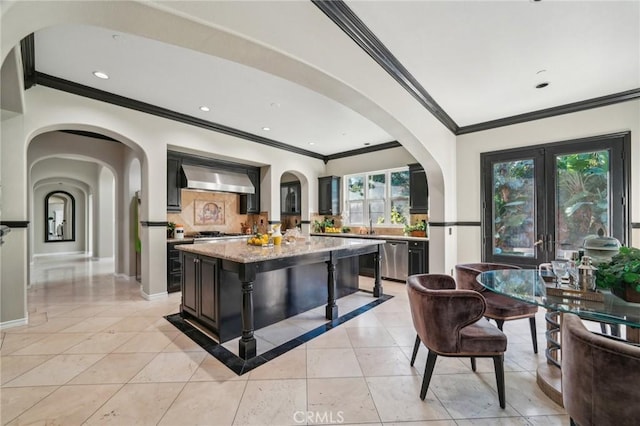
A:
{"points": [[395, 260]]}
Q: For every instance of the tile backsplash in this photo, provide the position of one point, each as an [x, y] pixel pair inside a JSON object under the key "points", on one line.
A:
{"points": [[228, 208]]}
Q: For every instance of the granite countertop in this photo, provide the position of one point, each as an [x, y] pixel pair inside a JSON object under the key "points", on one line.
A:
{"points": [[240, 251], [373, 236], [189, 240]]}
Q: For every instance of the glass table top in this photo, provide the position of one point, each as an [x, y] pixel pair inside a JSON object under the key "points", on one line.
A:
{"points": [[527, 285]]}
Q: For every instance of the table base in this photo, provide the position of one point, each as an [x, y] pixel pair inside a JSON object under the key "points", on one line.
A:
{"points": [[549, 379]]}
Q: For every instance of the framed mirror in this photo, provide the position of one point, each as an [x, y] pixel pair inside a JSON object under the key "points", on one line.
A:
{"points": [[60, 217]]}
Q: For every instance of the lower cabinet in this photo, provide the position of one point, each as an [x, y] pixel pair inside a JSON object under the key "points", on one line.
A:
{"points": [[200, 289], [174, 267], [418, 257]]}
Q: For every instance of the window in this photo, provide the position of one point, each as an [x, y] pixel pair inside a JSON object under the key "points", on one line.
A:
{"points": [[381, 197]]}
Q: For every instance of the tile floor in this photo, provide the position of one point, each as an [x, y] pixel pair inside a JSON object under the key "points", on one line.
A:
{"points": [[95, 352]]}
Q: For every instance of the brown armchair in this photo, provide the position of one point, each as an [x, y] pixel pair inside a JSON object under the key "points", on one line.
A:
{"points": [[450, 322], [499, 308], [600, 376]]}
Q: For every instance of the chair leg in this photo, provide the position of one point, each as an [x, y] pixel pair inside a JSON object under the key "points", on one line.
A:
{"points": [[534, 335], [498, 364], [500, 323], [428, 372], [473, 364], [416, 346]]}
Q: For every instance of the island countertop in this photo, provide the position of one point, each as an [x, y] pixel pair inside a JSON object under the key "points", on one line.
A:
{"points": [[241, 252]]}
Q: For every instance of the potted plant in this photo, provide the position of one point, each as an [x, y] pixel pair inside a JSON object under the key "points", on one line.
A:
{"points": [[622, 274], [171, 226], [419, 229]]}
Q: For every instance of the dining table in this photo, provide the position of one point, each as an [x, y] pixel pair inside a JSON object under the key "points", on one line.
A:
{"points": [[601, 306]]}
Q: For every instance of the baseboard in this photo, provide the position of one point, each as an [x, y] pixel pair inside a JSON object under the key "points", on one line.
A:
{"points": [[14, 323], [155, 296]]}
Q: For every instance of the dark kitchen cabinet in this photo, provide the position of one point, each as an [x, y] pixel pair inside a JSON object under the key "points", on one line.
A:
{"points": [[174, 267], [174, 183], [418, 257], [250, 203], [200, 290], [290, 198], [418, 190], [329, 195]]}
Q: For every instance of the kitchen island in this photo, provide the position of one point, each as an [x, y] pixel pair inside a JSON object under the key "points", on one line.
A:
{"points": [[231, 288]]}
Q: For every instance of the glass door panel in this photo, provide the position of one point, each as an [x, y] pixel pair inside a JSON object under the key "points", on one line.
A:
{"points": [[513, 208], [582, 199]]}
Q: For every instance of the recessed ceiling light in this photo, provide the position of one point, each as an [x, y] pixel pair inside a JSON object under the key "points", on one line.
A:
{"points": [[101, 75], [275, 105], [266, 129], [312, 143], [542, 85], [204, 108], [115, 36]]}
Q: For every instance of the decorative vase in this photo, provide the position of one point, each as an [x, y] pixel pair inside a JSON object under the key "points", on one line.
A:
{"points": [[627, 293]]}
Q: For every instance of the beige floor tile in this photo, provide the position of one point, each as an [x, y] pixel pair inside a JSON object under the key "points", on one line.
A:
{"points": [[403, 336], [16, 341], [394, 319], [101, 343], [280, 333], [528, 400], [56, 371], [213, 370], [85, 311], [548, 420], [340, 362], [384, 362], [50, 325], [114, 368], [497, 421], [470, 396], [398, 399], [133, 324], [364, 337], [68, 405], [291, 365], [334, 338], [55, 343], [183, 343], [13, 366], [160, 324], [343, 400], [94, 325], [444, 365], [424, 423], [170, 367], [272, 402], [148, 341], [15, 401], [137, 404], [368, 319], [205, 403]]}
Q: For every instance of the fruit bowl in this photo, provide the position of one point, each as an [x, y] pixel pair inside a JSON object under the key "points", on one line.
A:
{"points": [[259, 240]]}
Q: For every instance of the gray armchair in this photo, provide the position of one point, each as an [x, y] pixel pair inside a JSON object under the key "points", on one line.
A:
{"points": [[450, 322]]}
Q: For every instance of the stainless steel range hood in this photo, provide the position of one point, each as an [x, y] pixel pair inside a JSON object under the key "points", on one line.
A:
{"points": [[203, 178]]}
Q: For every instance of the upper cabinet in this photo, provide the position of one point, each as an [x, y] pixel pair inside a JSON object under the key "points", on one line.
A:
{"points": [[419, 190], [329, 195], [290, 198], [249, 203], [174, 183]]}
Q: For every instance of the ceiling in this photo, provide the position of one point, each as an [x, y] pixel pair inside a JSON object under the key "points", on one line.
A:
{"points": [[479, 61]]}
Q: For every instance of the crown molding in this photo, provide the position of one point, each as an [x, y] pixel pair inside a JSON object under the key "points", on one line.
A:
{"points": [[343, 17], [601, 101], [365, 150]]}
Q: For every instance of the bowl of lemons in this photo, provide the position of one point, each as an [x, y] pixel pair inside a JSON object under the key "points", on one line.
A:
{"points": [[259, 240]]}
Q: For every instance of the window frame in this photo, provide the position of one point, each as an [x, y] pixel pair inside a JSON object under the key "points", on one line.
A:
{"points": [[366, 200]]}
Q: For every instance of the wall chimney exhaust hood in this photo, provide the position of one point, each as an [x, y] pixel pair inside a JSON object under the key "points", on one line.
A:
{"points": [[206, 179]]}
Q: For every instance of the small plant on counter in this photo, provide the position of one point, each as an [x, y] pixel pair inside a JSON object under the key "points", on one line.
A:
{"points": [[419, 226], [171, 226], [622, 274]]}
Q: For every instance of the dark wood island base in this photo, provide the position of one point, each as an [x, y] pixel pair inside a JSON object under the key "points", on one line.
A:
{"points": [[232, 289]]}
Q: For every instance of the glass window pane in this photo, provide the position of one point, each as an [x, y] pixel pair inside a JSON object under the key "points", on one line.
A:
{"points": [[376, 211], [377, 186], [400, 184], [355, 186], [513, 208], [400, 211], [582, 198], [356, 212]]}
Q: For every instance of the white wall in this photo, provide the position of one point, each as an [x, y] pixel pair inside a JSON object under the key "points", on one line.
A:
{"points": [[599, 121], [105, 204]]}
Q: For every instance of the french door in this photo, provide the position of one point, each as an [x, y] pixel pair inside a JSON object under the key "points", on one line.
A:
{"points": [[539, 203]]}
